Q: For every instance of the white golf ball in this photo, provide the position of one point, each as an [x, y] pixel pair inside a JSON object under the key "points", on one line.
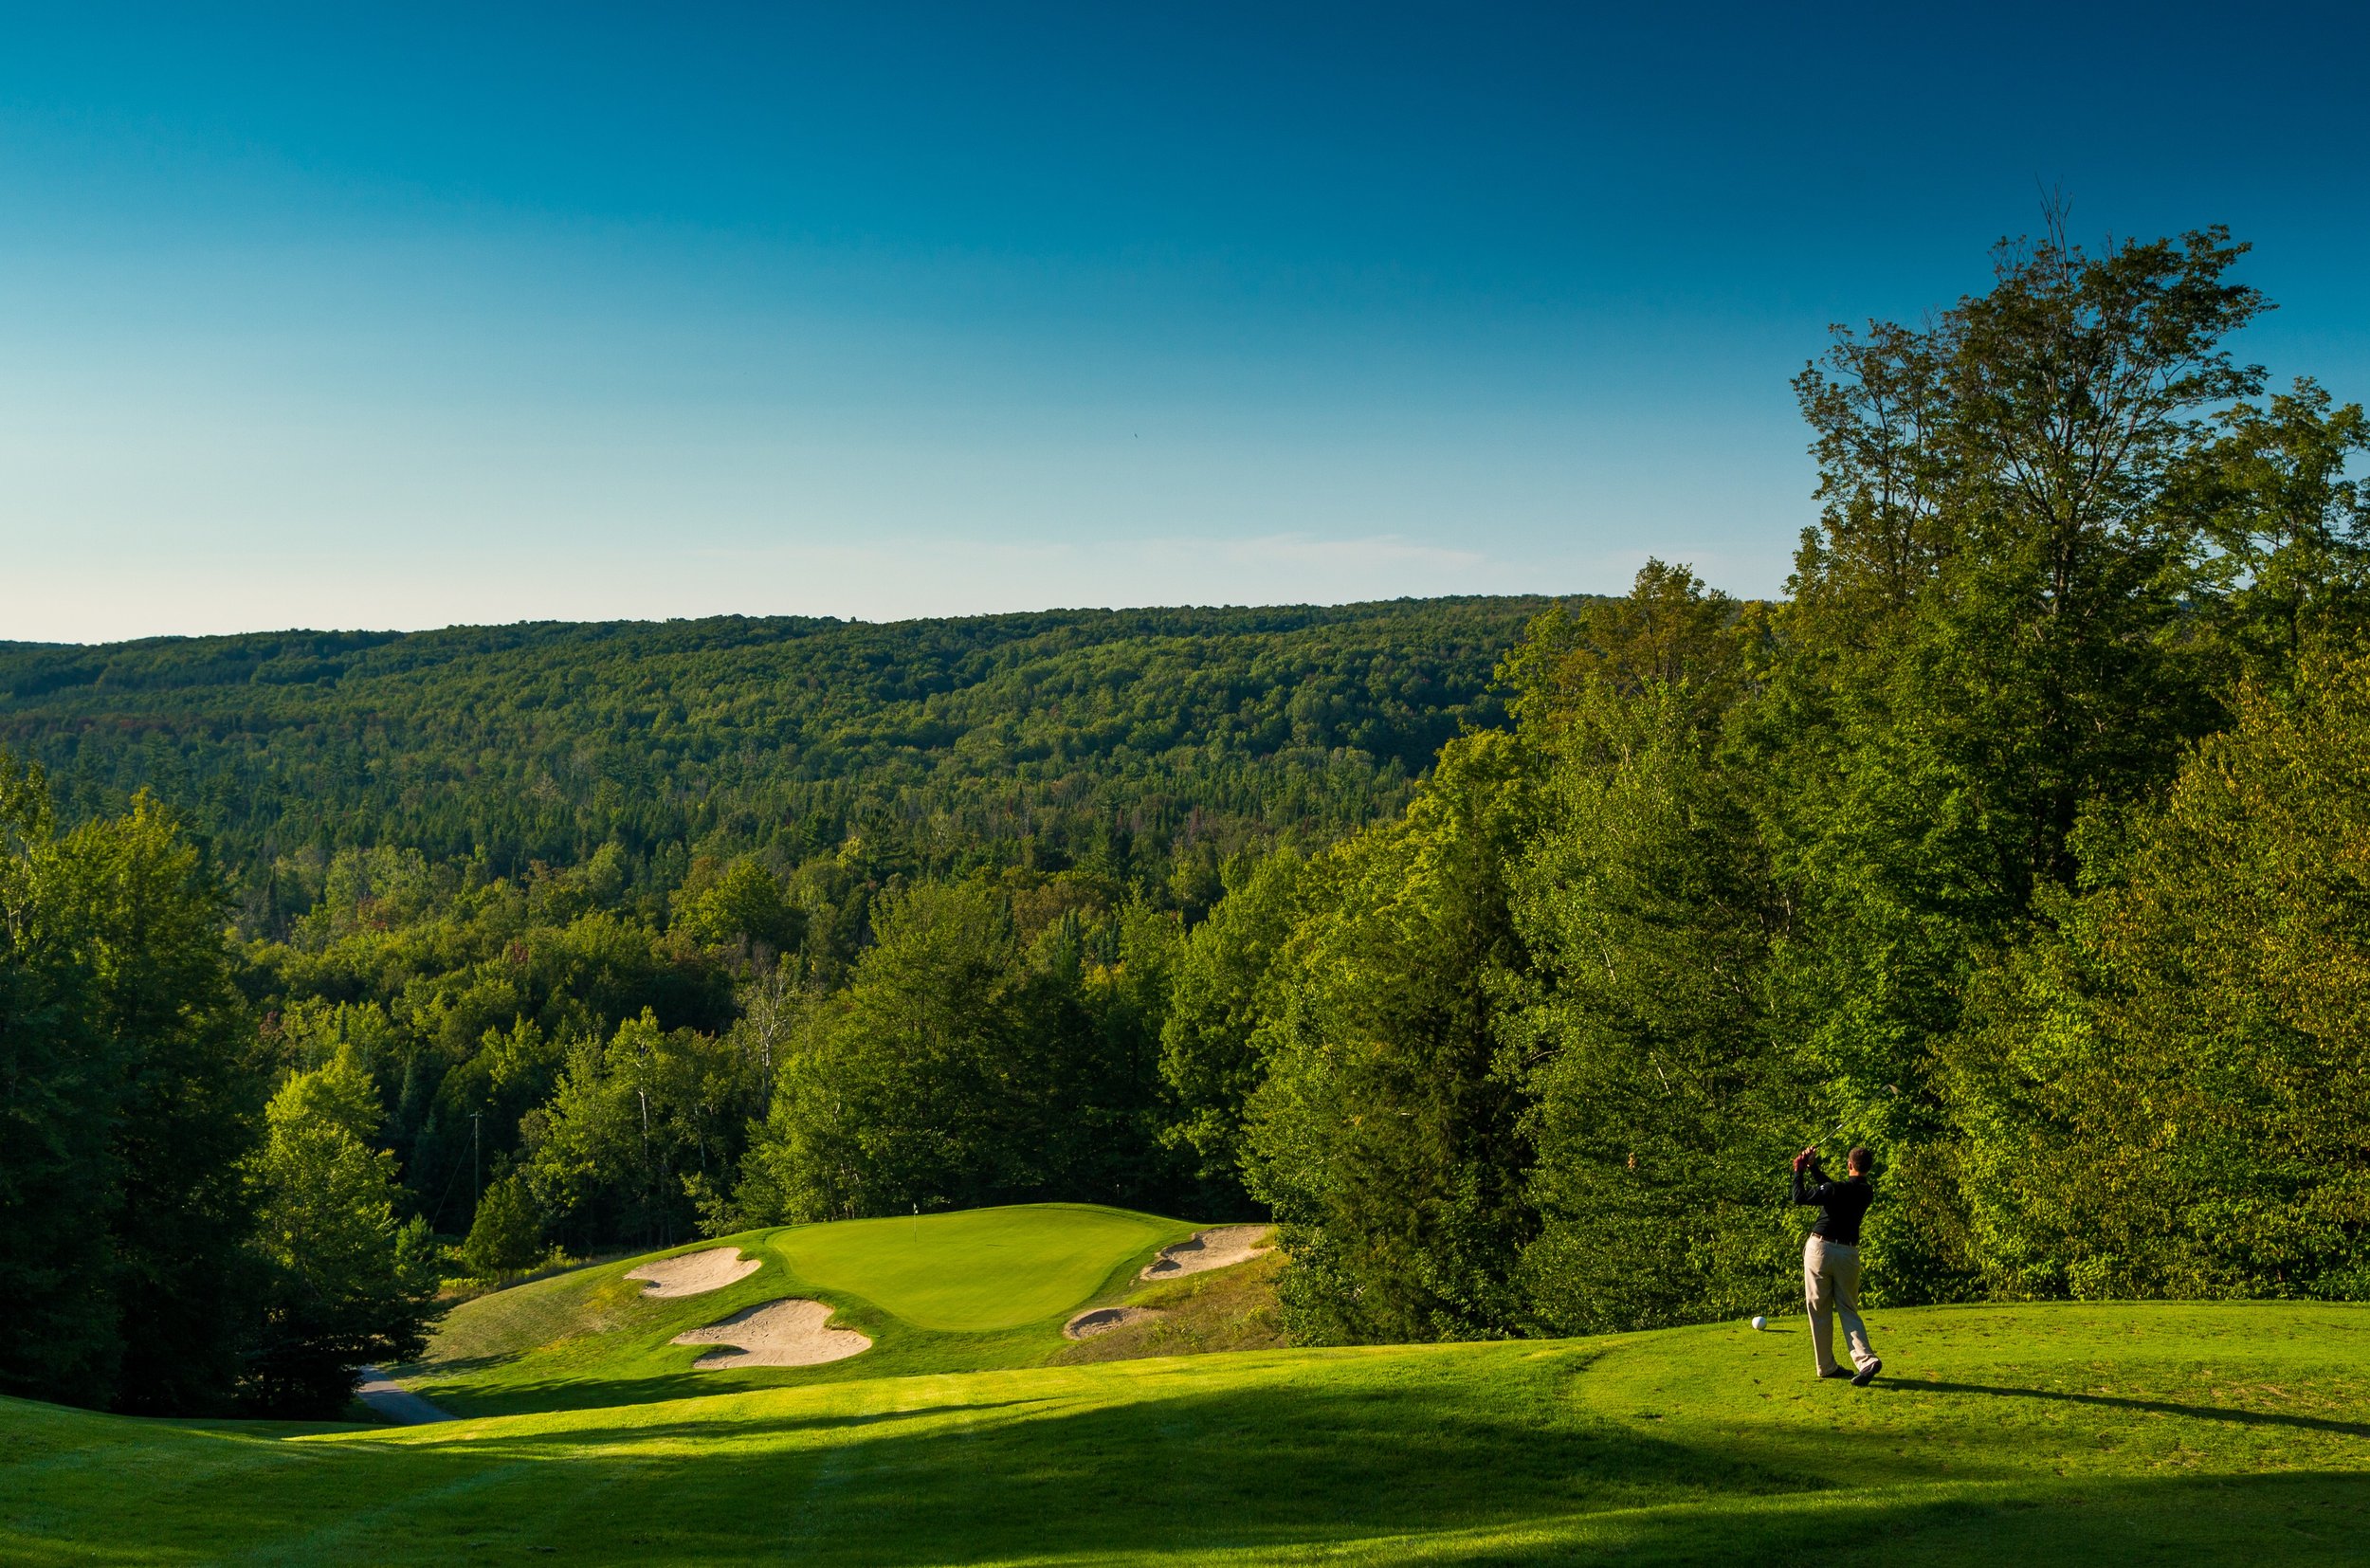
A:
{"points": [[1760, 1322]]}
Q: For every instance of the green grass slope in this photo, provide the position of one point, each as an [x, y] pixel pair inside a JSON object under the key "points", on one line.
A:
{"points": [[958, 1292], [2182, 1434]]}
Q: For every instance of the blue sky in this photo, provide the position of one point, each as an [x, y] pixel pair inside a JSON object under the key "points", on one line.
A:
{"points": [[406, 317]]}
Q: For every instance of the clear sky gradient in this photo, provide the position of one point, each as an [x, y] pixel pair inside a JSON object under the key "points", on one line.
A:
{"points": [[335, 317]]}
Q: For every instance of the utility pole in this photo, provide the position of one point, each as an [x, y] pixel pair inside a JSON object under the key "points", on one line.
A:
{"points": [[476, 1132]]}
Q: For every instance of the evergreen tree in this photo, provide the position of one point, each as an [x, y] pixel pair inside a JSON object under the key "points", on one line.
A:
{"points": [[507, 1234]]}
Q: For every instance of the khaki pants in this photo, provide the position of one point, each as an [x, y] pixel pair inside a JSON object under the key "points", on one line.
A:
{"points": [[1831, 1285]]}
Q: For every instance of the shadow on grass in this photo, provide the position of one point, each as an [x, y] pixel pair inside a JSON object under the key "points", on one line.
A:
{"points": [[2151, 1407], [2252, 1521], [557, 1394], [737, 1429], [1415, 1463], [1414, 1471], [1253, 1470]]}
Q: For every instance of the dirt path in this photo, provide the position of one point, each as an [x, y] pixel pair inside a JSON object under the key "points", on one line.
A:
{"points": [[399, 1404]]}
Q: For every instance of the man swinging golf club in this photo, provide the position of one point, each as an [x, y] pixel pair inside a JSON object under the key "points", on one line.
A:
{"points": [[1831, 1261]]}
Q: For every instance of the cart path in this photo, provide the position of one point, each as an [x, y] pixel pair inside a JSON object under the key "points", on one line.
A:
{"points": [[399, 1404]]}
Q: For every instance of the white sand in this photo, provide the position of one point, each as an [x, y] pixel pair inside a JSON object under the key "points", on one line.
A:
{"points": [[1104, 1319], [792, 1333], [695, 1273], [1220, 1247]]}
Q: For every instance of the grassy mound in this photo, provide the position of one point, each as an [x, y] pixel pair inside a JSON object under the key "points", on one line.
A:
{"points": [[958, 1292], [2184, 1433], [1225, 1309]]}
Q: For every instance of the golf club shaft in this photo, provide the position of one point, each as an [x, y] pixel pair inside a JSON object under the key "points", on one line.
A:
{"points": [[1836, 1131]]}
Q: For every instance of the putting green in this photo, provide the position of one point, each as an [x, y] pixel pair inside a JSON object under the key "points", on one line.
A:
{"points": [[960, 1292], [975, 1271]]}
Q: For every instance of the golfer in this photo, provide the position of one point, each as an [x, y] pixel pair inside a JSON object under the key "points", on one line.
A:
{"points": [[1831, 1261]]}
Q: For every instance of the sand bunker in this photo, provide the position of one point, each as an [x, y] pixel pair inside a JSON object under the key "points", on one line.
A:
{"points": [[1104, 1319], [695, 1273], [1220, 1247], [788, 1333]]}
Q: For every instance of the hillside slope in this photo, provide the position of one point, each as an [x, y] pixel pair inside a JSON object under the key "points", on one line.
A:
{"points": [[2182, 1433], [543, 742], [952, 1292]]}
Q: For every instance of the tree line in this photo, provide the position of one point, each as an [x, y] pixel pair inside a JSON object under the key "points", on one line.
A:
{"points": [[1126, 740], [2022, 841]]}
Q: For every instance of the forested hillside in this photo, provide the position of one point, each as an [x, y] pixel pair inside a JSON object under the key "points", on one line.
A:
{"points": [[536, 915], [1043, 738]]}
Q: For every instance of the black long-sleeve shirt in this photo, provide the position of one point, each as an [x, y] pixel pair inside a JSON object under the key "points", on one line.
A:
{"points": [[1841, 1203]]}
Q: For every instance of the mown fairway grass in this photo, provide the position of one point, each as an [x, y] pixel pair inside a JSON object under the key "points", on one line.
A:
{"points": [[2112, 1434], [957, 1292]]}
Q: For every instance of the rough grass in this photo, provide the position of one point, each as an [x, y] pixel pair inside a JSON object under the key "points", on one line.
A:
{"points": [[1231, 1308], [2221, 1432], [958, 1292]]}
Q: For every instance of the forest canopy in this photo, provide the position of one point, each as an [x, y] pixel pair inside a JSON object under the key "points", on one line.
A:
{"points": [[935, 746]]}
